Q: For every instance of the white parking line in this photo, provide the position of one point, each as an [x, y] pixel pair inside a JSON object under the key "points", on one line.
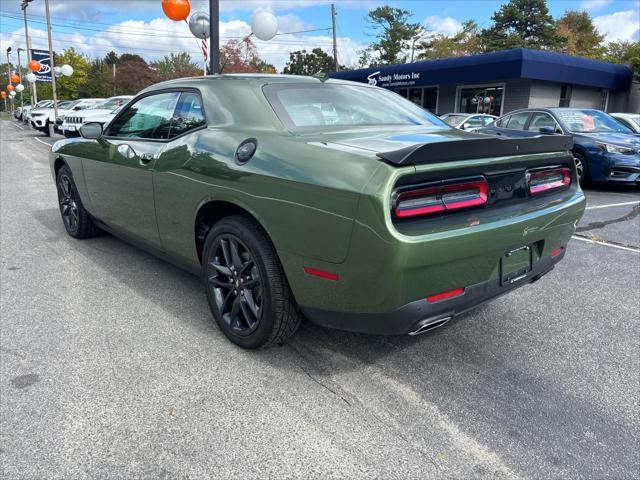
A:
{"points": [[42, 141], [620, 247], [612, 205], [17, 126]]}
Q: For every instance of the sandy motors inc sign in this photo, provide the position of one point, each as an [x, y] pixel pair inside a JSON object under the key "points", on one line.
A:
{"points": [[393, 79]]}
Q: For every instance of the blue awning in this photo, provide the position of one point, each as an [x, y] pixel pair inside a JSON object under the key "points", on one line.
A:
{"points": [[497, 66]]}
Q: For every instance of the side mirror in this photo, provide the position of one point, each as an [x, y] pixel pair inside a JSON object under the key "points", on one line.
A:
{"points": [[91, 131], [466, 125], [547, 130]]}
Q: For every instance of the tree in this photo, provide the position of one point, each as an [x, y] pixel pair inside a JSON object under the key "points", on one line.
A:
{"points": [[521, 23], [393, 32], [111, 58], [579, 35], [99, 82], [133, 74], [465, 42], [302, 62], [176, 66], [261, 66], [625, 52], [68, 87], [238, 56]]}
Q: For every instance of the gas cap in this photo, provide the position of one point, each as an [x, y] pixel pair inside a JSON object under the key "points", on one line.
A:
{"points": [[246, 150]]}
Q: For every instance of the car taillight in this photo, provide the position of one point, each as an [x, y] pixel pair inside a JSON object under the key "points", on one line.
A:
{"points": [[540, 181], [441, 198]]}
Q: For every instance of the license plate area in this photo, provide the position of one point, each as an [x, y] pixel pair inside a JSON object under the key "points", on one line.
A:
{"points": [[515, 265]]}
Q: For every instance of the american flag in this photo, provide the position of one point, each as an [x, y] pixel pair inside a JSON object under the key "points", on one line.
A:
{"points": [[204, 47]]}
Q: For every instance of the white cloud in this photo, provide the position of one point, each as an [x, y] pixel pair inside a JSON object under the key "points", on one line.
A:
{"points": [[447, 26], [171, 36], [594, 5], [624, 25]]}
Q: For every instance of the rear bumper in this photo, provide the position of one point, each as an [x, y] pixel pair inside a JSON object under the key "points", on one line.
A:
{"points": [[412, 316]]}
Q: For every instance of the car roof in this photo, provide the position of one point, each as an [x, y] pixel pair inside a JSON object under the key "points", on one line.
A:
{"points": [[257, 79]]}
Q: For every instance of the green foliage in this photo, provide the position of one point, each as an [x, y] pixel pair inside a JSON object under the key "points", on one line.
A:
{"points": [[260, 66], [176, 66], [465, 42], [579, 35], [302, 62], [69, 87], [627, 53], [393, 33], [99, 80], [521, 24]]}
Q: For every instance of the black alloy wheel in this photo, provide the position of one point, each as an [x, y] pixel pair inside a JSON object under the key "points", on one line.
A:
{"points": [[68, 203], [235, 284], [76, 219], [247, 290]]}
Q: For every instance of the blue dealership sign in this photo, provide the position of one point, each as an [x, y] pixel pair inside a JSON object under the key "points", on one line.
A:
{"points": [[42, 56]]}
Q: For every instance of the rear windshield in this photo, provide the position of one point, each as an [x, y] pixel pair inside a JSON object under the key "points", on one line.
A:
{"points": [[590, 121], [334, 105]]}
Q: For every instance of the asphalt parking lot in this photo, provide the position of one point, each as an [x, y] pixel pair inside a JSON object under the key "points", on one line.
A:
{"points": [[111, 366]]}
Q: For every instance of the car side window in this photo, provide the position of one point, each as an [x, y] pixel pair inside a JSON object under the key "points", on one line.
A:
{"points": [[517, 121], [502, 122], [150, 117], [487, 120], [188, 116], [540, 120]]}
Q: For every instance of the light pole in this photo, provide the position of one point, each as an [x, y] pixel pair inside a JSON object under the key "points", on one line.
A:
{"points": [[52, 65], [34, 90], [20, 75], [214, 36], [9, 64]]}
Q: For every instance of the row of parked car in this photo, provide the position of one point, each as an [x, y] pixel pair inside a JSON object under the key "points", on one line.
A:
{"points": [[606, 147], [72, 114]]}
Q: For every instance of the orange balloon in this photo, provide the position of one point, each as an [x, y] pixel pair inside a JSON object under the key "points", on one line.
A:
{"points": [[10, 88], [177, 10], [4, 94], [34, 65], [15, 78]]}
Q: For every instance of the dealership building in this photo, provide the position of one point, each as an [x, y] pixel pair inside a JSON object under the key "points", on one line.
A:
{"points": [[499, 82]]}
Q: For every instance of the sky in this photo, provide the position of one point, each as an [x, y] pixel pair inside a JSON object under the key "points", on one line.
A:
{"points": [[139, 26]]}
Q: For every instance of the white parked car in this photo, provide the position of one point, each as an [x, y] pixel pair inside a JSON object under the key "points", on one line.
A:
{"points": [[101, 113], [468, 121], [82, 104], [41, 118], [630, 120]]}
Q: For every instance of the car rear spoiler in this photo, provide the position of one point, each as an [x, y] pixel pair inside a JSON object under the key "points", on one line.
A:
{"points": [[476, 148]]}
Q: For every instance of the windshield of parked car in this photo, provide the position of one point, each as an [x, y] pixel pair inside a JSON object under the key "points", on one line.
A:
{"points": [[336, 105], [453, 120], [112, 103], [635, 119], [590, 121], [65, 104]]}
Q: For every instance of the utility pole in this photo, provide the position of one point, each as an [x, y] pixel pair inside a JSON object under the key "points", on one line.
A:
{"points": [[114, 79], [9, 63], [20, 75], [51, 63], [335, 43], [34, 90], [214, 36]]}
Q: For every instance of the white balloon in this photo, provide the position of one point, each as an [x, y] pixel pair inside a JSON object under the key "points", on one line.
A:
{"points": [[264, 25], [487, 100], [31, 77], [19, 88], [57, 71], [67, 70], [12, 93], [199, 25]]}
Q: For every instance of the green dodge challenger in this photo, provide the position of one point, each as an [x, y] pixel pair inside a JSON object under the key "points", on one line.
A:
{"points": [[344, 203]]}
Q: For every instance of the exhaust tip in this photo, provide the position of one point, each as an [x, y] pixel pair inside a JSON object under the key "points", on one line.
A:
{"points": [[430, 325]]}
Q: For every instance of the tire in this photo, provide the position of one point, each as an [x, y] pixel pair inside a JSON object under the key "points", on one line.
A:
{"points": [[256, 308], [46, 130], [582, 168], [75, 218]]}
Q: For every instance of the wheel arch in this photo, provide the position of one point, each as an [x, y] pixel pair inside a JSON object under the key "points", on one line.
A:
{"points": [[212, 211], [58, 163]]}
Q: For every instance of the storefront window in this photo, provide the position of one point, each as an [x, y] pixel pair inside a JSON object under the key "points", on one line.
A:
{"points": [[481, 100], [427, 98]]}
